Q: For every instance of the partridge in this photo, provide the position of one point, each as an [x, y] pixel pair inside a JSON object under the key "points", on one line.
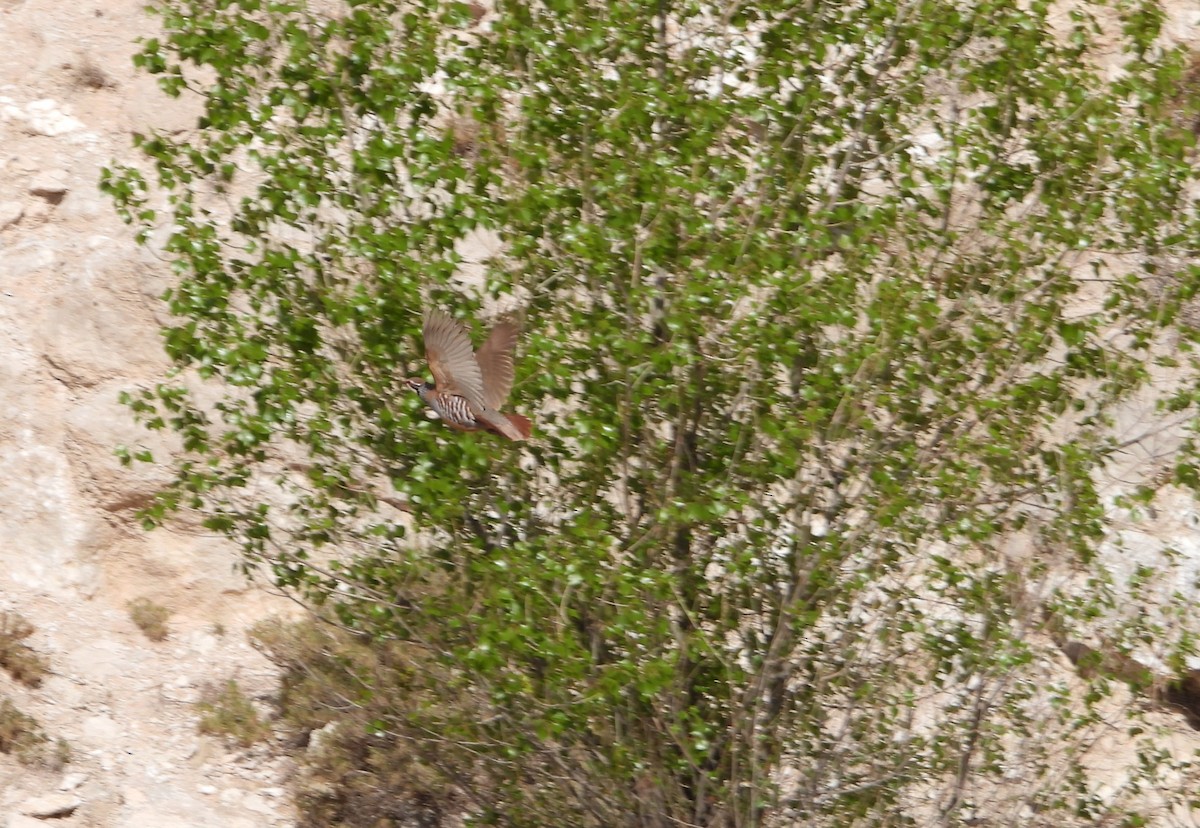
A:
{"points": [[469, 388]]}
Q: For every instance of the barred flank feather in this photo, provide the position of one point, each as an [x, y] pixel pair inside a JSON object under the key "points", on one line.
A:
{"points": [[455, 410]]}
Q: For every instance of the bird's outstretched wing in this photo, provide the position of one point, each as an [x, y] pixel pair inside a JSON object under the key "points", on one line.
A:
{"points": [[451, 361], [495, 360]]}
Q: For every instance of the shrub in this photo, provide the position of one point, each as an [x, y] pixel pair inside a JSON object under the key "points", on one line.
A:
{"points": [[21, 735], [25, 665], [226, 711], [150, 618], [367, 770]]}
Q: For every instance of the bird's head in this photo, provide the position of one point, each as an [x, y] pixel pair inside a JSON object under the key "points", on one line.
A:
{"points": [[415, 384]]}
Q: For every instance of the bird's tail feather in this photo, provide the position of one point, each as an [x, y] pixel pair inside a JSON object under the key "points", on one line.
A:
{"points": [[522, 424], [513, 426]]}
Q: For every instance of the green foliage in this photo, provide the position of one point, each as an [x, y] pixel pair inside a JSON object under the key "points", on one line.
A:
{"points": [[832, 314]]}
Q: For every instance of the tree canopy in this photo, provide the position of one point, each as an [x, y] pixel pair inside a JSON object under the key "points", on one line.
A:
{"points": [[830, 313]]}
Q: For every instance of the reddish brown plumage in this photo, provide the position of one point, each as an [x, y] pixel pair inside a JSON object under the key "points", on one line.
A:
{"points": [[470, 388], [522, 424]]}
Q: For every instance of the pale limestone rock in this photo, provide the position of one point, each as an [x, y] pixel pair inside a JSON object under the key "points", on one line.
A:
{"points": [[320, 737], [143, 105], [23, 263], [257, 804], [50, 806], [10, 213], [101, 730], [181, 695], [50, 185], [38, 211], [22, 821], [204, 643], [41, 513], [97, 423], [87, 341], [72, 781], [47, 117], [134, 797], [88, 205], [152, 819]]}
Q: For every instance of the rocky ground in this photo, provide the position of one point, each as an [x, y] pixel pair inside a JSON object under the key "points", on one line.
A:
{"points": [[78, 325]]}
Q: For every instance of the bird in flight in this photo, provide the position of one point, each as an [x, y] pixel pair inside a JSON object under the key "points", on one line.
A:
{"points": [[469, 388]]}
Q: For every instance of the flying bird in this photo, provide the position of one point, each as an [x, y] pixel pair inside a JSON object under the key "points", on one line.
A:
{"points": [[469, 388]]}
